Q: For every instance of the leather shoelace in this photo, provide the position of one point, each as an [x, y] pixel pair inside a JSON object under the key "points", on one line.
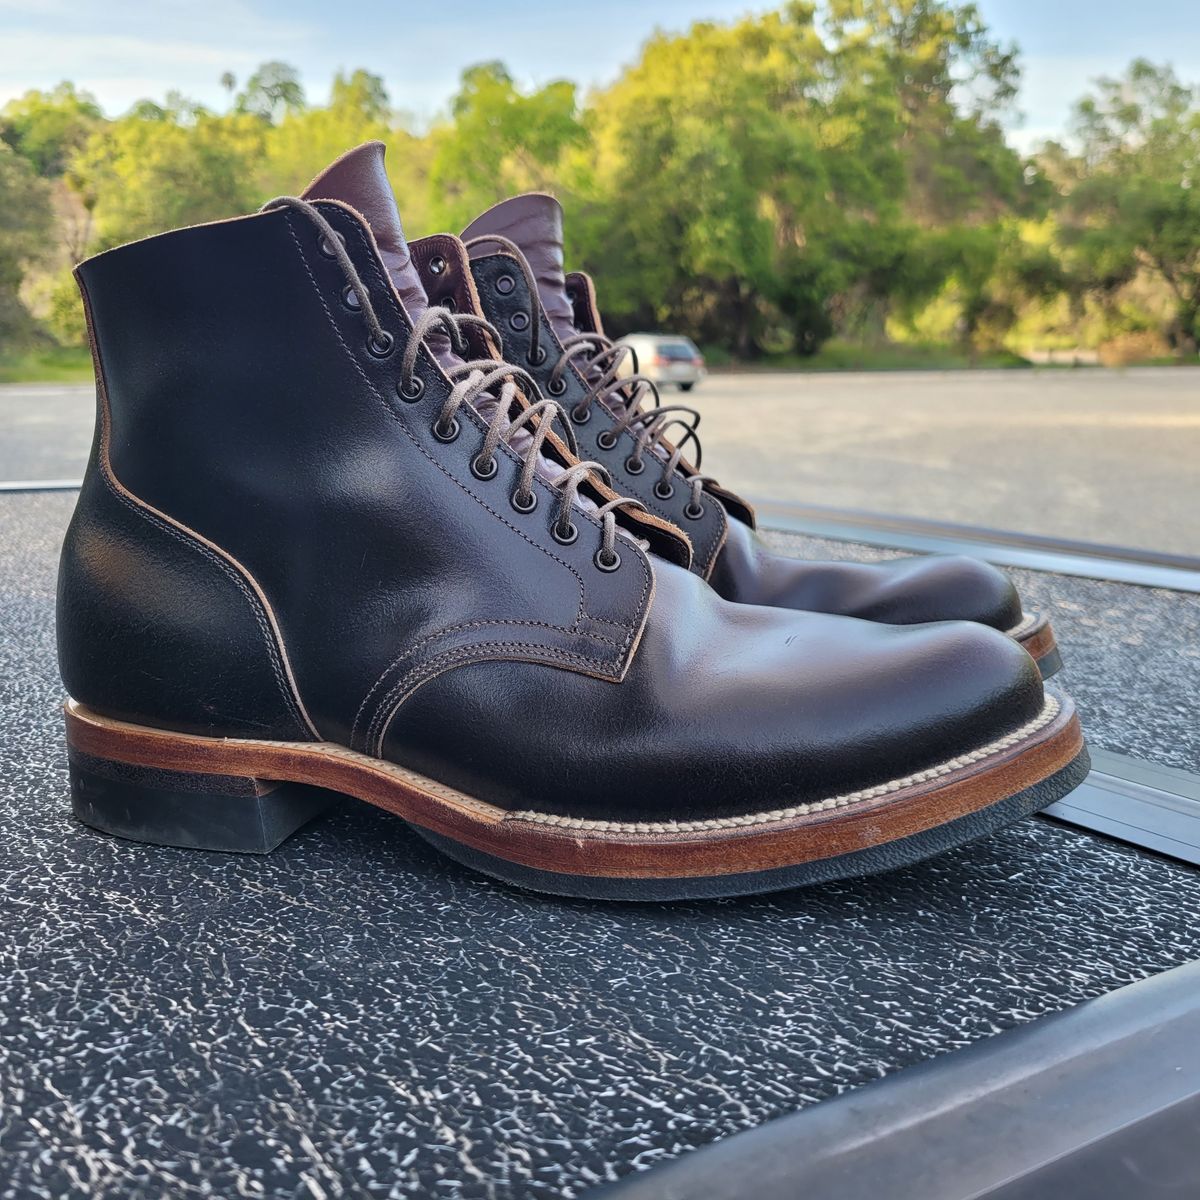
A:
{"points": [[474, 381], [600, 368]]}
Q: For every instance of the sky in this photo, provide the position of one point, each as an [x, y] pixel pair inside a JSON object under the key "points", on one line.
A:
{"points": [[125, 50]]}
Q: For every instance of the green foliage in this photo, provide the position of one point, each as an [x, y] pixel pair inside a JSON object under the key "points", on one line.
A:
{"points": [[46, 128], [1133, 192], [271, 92], [810, 184], [24, 231]]}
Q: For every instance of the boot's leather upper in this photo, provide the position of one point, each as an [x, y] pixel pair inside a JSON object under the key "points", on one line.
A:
{"points": [[727, 551], [273, 541]]}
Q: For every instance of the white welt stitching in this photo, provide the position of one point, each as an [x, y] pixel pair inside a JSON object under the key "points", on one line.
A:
{"points": [[1048, 713]]}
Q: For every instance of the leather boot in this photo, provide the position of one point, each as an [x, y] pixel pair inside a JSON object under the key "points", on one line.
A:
{"points": [[551, 325], [301, 556]]}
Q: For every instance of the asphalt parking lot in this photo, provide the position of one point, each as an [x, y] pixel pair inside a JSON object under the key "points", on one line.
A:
{"points": [[1095, 455]]}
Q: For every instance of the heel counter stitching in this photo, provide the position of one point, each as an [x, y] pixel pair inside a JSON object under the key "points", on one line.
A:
{"points": [[259, 617], [264, 618]]}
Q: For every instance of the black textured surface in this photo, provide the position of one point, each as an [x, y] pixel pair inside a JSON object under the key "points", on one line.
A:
{"points": [[356, 1016]]}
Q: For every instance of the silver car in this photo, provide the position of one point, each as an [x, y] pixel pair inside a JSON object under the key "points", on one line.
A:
{"points": [[665, 358]]}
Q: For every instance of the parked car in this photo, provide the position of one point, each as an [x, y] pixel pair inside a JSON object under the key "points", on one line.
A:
{"points": [[665, 358]]}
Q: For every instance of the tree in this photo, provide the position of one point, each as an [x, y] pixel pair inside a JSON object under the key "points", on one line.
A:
{"points": [[25, 202], [1133, 191], [271, 91], [501, 140], [141, 176], [46, 128]]}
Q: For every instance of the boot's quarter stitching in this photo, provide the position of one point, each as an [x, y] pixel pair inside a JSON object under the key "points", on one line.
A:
{"points": [[386, 289], [259, 605], [480, 652], [1050, 710], [404, 687], [450, 629]]}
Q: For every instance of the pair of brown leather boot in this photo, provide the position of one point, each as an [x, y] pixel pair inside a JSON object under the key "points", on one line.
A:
{"points": [[392, 522]]}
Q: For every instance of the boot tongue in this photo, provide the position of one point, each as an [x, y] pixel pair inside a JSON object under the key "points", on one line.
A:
{"points": [[359, 180], [534, 222]]}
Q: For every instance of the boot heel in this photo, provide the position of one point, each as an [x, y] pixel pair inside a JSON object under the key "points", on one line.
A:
{"points": [[174, 808]]}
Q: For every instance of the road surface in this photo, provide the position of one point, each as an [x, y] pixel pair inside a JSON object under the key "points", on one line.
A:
{"points": [[1104, 456]]}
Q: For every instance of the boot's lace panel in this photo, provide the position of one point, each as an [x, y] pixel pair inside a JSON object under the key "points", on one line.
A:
{"points": [[598, 360], [475, 382]]}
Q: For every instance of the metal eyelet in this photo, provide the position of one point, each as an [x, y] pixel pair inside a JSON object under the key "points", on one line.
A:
{"points": [[437, 265], [350, 298], [536, 356], [414, 389], [519, 321], [446, 433], [634, 466], [556, 387], [484, 468], [505, 284], [524, 506], [565, 537], [664, 490], [610, 564], [606, 439], [381, 349], [571, 295], [326, 249], [581, 416], [693, 511], [450, 304]]}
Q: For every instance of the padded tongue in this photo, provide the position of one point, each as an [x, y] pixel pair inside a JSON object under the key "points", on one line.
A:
{"points": [[534, 222], [359, 180]]}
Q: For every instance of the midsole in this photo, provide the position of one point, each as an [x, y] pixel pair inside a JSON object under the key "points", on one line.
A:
{"points": [[801, 833]]}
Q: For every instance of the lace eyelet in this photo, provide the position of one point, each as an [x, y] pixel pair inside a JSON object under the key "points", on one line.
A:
{"points": [[571, 295], [556, 387], [693, 512], [566, 536], [581, 416], [381, 349], [634, 466], [484, 468], [326, 249], [536, 356], [350, 298], [606, 439], [411, 390], [610, 563], [446, 433], [519, 321], [505, 284], [437, 265], [664, 490], [524, 506], [449, 304]]}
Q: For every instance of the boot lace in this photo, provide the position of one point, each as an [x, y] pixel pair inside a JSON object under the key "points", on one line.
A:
{"points": [[599, 360], [475, 381]]}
